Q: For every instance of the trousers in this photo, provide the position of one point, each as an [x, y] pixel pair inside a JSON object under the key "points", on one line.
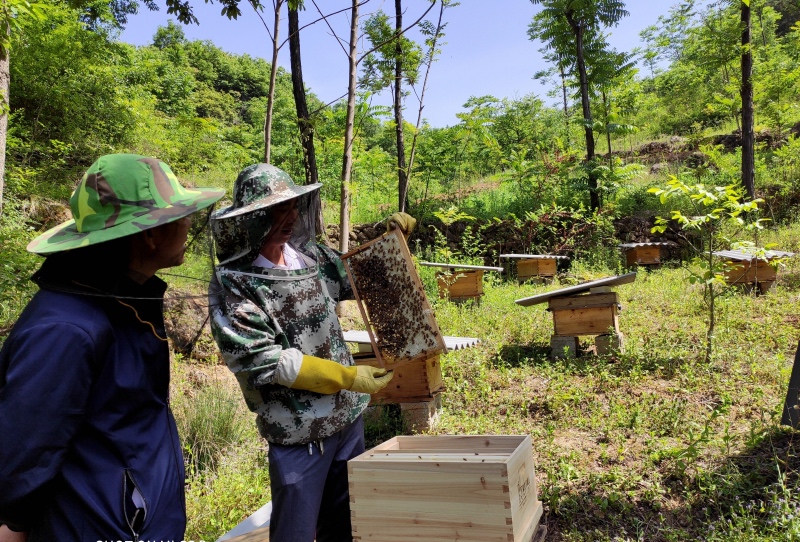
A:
{"points": [[310, 495]]}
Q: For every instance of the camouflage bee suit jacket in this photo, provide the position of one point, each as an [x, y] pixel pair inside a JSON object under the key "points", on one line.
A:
{"points": [[264, 320]]}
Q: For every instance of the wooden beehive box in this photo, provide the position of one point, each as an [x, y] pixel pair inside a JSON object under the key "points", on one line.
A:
{"points": [[444, 488], [539, 267], [392, 301], [749, 272], [416, 381], [643, 255], [460, 283], [587, 314]]}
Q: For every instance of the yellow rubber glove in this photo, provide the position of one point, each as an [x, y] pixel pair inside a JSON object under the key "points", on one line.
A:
{"points": [[402, 221], [325, 376], [370, 379]]}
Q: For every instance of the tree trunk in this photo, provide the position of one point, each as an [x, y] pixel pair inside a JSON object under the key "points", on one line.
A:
{"points": [[402, 176], [347, 161], [5, 88], [272, 76], [5, 80], [608, 132], [748, 135], [566, 107], [299, 91], [578, 28], [422, 94]]}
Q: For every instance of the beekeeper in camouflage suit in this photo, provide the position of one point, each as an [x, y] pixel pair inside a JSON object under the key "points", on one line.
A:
{"points": [[88, 446], [272, 304]]}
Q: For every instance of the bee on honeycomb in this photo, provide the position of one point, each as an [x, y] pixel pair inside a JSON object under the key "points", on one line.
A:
{"points": [[391, 296]]}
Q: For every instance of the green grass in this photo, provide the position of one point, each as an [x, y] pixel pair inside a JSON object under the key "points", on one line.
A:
{"points": [[651, 444]]}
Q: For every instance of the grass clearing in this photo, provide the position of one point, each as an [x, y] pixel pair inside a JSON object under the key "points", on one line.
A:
{"points": [[651, 444]]}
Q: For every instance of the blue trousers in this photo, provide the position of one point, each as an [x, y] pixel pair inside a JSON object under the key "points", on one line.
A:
{"points": [[310, 495]]}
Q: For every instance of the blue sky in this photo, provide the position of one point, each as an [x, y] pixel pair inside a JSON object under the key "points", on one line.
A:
{"points": [[486, 49]]}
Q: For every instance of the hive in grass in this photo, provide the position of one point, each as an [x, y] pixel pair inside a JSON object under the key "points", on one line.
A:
{"points": [[392, 300]]}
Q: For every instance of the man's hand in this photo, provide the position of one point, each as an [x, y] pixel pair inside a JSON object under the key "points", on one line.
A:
{"points": [[327, 376], [370, 379], [401, 221], [7, 535]]}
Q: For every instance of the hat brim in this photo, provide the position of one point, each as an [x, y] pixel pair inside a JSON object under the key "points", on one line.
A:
{"points": [[67, 237], [268, 201]]}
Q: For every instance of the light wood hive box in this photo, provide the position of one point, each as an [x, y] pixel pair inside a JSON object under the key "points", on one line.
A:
{"points": [[461, 283], [444, 488], [390, 295], [749, 272], [647, 255], [416, 381], [539, 267], [587, 314]]}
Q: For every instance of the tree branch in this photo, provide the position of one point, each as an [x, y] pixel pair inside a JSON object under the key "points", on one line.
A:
{"points": [[395, 36]]}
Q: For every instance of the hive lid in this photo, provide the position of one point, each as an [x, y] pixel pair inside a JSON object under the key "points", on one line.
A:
{"points": [[535, 256], [577, 289], [648, 244], [462, 266], [744, 256]]}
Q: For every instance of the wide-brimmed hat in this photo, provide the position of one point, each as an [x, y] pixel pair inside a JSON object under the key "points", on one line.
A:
{"points": [[260, 186], [123, 194]]}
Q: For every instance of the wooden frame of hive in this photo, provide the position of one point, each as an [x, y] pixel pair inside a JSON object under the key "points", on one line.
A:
{"points": [[586, 314], [643, 255], [392, 301], [750, 272], [536, 267], [445, 487], [414, 382], [460, 284]]}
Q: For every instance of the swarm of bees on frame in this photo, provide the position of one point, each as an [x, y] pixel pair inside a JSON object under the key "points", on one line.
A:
{"points": [[394, 303]]}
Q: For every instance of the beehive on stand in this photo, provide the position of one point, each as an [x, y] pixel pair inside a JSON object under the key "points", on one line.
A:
{"points": [[392, 301], [461, 282], [535, 266], [591, 308], [751, 270], [444, 488], [646, 254]]}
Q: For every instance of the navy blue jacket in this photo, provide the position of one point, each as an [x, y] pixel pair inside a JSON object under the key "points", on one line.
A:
{"points": [[85, 420]]}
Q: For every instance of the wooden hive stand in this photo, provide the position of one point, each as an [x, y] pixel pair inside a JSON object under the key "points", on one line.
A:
{"points": [[460, 283], [646, 254], [591, 308], [537, 267], [416, 386], [752, 271]]}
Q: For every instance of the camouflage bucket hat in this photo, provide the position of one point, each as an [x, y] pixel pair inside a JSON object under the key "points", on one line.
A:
{"points": [[119, 195], [260, 186]]}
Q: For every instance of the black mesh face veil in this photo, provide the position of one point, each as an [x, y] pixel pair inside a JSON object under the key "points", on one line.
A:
{"points": [[238, 239]]}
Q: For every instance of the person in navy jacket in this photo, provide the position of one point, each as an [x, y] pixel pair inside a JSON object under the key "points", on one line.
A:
{"points": [[89, 449]]}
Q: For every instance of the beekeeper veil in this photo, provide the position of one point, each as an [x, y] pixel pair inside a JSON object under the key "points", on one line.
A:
{"points": [[240, 229]]}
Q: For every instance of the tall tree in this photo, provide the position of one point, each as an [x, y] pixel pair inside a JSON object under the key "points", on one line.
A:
{"points": [[748, 135], [402, 172], [347, 159], [433, 35], [393, 59], [301, 104], [567, 26], [278, 4]]}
